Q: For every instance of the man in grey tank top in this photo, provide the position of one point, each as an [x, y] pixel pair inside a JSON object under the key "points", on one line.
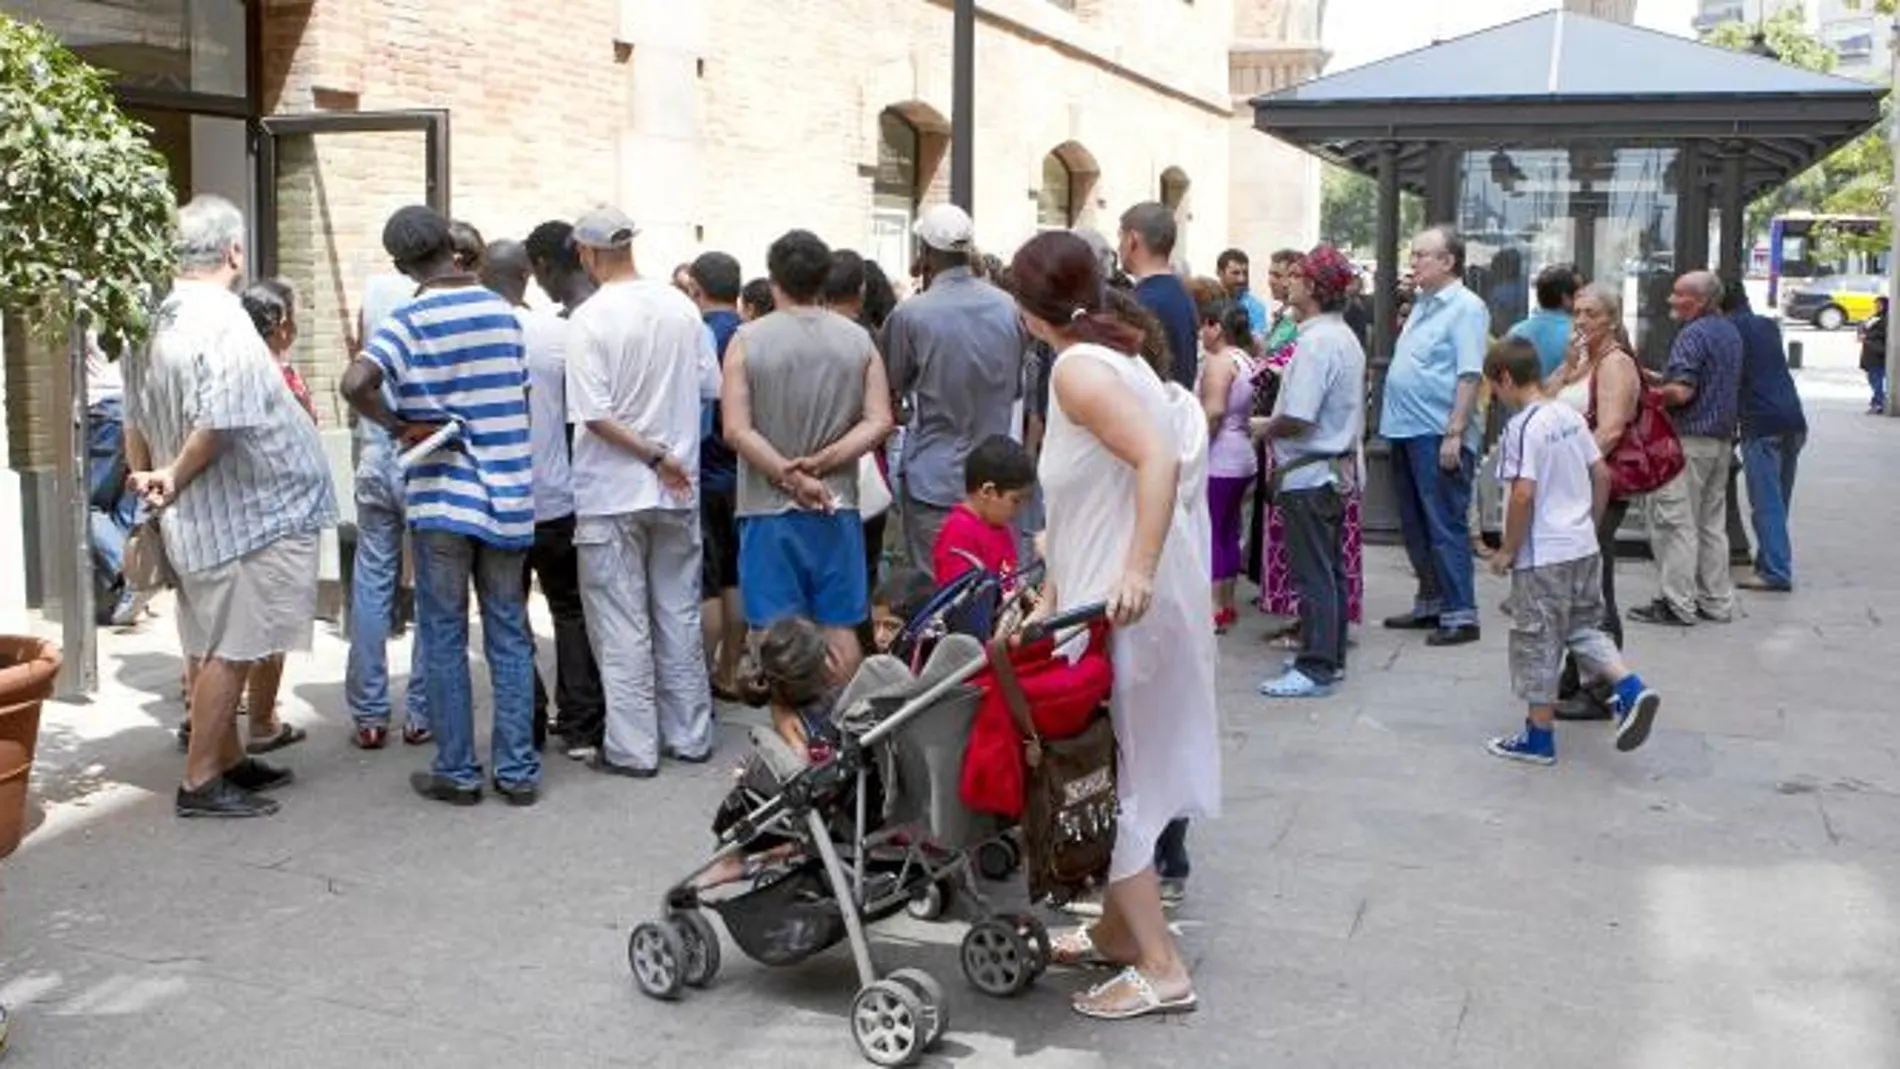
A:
{"points": [[805, 397]]}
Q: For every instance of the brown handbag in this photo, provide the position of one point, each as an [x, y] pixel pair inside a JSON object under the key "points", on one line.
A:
{"points": [[1069, 800]]}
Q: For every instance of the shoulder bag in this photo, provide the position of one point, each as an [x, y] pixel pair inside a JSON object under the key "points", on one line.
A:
{"points": [[1648, 454], [1069, 800], [146, 567]]}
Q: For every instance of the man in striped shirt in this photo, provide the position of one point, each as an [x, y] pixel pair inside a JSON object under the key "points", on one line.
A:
{"points": [[216, 442], [454, 355]]}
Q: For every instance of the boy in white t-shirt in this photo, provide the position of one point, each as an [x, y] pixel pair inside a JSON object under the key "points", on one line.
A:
{"points": [[1557, 488]]}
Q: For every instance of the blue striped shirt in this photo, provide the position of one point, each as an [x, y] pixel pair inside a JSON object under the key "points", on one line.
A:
{"points": [[207, 369], [458, 353]]}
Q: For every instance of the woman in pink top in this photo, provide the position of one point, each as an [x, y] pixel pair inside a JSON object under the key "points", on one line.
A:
{"points": [[1226, 392]]}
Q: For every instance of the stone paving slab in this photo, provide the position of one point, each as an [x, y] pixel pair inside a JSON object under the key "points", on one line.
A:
{"points": [[1378, 893]]}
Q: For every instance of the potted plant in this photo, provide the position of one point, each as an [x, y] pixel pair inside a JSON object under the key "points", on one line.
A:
{"points": [[84, 198], [86, 213]]}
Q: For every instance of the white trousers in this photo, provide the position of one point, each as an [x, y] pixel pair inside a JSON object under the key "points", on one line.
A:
{"points": [[640, 586]]}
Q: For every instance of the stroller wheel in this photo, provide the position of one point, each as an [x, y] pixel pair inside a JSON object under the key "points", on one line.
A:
{"points": [[702, 947], [888, 1021], [930, 993], [929, 901], [997, 860], [658, 957], [997, 959], [1036, 934]]}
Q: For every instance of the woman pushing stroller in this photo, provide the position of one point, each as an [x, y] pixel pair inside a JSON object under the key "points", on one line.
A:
{"points": [[1117, 434]]}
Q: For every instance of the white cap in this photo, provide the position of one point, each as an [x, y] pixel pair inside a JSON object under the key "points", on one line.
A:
{"points": [[945, 227]]}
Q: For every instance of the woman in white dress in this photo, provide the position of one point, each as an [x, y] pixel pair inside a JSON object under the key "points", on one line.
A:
{"points": [[1124, 479]]}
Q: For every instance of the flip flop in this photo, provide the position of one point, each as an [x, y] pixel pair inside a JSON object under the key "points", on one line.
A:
{"points": [[417, 735], [1295, 684], [287, 735], [1147, 1001], [1076, 949]]}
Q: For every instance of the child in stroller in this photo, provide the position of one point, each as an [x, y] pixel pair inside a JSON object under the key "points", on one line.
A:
{"points": [[815, 847]]}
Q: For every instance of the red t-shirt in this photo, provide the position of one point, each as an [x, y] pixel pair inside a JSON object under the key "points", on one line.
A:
{"points": [[965, 530]]}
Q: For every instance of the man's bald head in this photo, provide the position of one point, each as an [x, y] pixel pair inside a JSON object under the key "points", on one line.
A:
{"points": [[1695, 294], [505, 270]]}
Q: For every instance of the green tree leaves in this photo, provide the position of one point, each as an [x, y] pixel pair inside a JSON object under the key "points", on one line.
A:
{"points": [[1857, 179], [83, 195]]}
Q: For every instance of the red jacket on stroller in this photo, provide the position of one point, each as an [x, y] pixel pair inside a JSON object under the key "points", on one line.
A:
{"points": [[1062, 699]]}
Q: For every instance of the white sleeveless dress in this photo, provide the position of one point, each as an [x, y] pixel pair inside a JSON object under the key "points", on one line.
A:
{"points": [[1166, 721]]}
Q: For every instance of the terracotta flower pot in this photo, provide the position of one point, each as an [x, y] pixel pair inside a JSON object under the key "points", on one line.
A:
{"points": [[27, 668]]}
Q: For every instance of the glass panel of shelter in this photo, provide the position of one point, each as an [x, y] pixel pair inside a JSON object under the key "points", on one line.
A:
{"points": [[1610, 210]]}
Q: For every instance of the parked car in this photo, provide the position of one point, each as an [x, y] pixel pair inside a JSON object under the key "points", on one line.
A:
{"points": [[1832, 301]]}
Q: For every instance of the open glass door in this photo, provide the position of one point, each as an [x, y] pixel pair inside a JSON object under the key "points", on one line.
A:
{"points": [[326, 185]]}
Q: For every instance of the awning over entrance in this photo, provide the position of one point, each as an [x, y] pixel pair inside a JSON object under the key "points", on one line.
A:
{"points": [[1584, 76]]}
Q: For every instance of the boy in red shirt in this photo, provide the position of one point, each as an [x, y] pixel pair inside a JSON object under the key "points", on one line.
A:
{"points": [[981, 532]]}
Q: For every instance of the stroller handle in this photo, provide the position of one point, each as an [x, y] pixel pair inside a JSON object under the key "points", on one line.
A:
{"points": [[1062, 621]]}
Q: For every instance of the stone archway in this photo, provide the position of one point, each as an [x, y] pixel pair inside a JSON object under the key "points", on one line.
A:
{"points": [[1065, 190]]}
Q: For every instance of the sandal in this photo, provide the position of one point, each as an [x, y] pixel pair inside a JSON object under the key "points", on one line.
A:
{"points": [[287, 735], [1140, 1000], [370, 737], [417, 735], [1075, 949]]}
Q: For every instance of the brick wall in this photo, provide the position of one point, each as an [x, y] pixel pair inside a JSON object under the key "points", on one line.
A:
{"points": [[725, 128]]}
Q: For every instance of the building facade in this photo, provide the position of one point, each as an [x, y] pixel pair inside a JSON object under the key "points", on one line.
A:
{"points": [[1613, 10], [1858, 35], [718, 124], [1713, 13]]}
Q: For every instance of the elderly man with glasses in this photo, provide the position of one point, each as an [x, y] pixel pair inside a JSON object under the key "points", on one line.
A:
{"points": [[1431, 395]]}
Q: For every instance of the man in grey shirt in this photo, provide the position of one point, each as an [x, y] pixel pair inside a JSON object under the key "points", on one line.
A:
{"points": [[957, 352]]}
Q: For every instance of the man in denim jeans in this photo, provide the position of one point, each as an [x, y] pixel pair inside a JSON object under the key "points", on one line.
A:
{"points": [[1774, 428], [1431, 391], [454, 355], [377, 572]]}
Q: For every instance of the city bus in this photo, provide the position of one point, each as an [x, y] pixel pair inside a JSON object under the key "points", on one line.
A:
{"points": [[1793, 249]]}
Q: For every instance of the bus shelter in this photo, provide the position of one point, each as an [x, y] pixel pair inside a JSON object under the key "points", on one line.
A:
{"points": [[1561, 138]]}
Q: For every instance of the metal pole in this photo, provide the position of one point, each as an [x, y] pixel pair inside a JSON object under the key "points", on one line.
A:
{"points": [[79, 668], [1893, 225], [963, 106]]}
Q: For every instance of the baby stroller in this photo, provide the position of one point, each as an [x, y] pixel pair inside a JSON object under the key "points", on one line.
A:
{"points": [[828, 848]]}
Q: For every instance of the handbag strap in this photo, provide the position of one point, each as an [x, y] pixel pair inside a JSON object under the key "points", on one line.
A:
{"points": [[1004, 670]]}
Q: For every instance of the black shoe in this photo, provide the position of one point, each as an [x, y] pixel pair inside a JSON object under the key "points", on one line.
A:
{"points": [[1412, 622], [517, 794], [253, 775], [1583, 707], [222, 798], [686, 759], [1460, 635], [599, 763], [1660, 613], [436, 789]]}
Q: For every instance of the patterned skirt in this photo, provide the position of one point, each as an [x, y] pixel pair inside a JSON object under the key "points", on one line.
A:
{"points": [[1267, 562]]}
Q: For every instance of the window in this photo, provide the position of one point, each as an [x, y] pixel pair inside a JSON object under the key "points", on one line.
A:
{"points": [[1056, 198]]}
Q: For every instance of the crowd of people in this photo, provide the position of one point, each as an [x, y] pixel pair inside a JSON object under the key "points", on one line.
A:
{"points": [[737, 490]]}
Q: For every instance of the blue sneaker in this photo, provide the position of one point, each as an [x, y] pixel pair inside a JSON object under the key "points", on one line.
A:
{"points": [[1533, 746], [1636, 707]]}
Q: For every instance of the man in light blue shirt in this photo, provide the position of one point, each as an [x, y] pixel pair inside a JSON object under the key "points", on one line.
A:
{"points": [[1431, 392], [1235, 274], [1548, 328]]}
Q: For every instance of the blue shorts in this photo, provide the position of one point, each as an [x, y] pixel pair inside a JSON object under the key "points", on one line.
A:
{"points": [[808, 564]]}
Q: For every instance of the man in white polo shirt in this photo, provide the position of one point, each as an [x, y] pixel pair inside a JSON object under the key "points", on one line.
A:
{"points": [[639, 363]]}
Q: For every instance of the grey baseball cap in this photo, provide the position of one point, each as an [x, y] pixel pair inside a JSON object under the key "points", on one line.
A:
{"points": [[605, 228]]}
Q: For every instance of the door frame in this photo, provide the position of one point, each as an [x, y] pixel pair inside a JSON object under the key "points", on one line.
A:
{"points": [[432, 123]]}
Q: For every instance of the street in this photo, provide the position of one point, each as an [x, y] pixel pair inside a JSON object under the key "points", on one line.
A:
{"points": [[1378, 893]]}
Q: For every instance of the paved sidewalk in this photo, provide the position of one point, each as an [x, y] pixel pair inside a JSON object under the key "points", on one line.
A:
{"points": [[1379, 893]]}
